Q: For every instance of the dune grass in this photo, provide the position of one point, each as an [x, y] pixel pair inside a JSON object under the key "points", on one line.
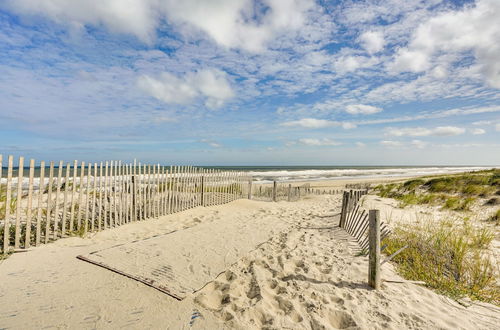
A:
{"points": [[455, 192], [449, 257], [495, 218]]}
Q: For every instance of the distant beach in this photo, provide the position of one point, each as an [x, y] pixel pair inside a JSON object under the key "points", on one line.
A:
{"points": [[267, 174]]}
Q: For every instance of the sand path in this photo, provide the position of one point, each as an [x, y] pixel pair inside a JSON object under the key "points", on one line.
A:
{"points": [[305, 275]]}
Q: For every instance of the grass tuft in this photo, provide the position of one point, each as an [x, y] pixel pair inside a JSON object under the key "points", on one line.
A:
{"points": [[448, 257]]}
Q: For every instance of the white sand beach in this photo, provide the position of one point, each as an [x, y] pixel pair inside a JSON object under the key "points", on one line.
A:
{"points": [[288, 266]]}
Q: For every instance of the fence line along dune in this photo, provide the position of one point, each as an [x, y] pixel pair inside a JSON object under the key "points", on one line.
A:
{"points": [[40, 204]]}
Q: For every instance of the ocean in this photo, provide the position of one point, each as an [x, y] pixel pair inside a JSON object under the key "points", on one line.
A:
{"points": [[266, 174]]}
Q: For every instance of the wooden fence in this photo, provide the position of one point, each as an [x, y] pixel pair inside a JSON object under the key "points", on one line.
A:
{"points": [[283, 191], [366, 227], [355, 220], [61, 200]]}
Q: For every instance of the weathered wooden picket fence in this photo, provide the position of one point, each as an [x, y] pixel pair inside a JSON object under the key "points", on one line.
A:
{"points": [[73, 199], [355, 220], [365, 226], [283, 191]]}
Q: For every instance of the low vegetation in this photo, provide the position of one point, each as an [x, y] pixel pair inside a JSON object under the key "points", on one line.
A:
{"points": [[455, 192], [449, 257], [495, 218]]}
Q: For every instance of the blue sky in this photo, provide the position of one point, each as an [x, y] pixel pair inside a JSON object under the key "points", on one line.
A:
{"points": [[239, 82]]}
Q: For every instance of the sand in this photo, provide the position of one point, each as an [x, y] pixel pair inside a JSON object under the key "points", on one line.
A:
{"points": [[298, 272]]}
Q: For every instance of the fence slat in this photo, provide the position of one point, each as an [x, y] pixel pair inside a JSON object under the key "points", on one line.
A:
{"points": [[94, 183], [8, 197], [105, 206], [65, 202], [80, 197], [73, 194], [101, 193], [127, 193], [41, 188], [156, 170], [374, 249], [164, 195], [49, 203], [27, 238], [134, 189], [19, 198], [58, 192], [87, 197]]}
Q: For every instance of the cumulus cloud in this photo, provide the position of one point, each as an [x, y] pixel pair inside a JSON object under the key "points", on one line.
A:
{"points": [[372, 41], [230, 23], [475, 29], [350, 63], [421, 131], [478, 131], [318, 142], [356, 109], [211, 84], [136, 17]]}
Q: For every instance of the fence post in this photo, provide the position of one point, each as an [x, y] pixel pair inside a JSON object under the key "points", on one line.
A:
{"points": [[134, 194], [374, 249], [274, 190], [343, 211], [250, 188], [202, 190], [289, 192]]}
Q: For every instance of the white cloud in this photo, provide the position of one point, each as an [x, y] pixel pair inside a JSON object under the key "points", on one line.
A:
{"points": [[421, 131], [497, 127], [434, 114], [482, 122], [230, 23], [311, 123], [211, 143], [360, 144], [209, 83], [355, 109], [136, 17], [389, 143], [347, 125], [418, 144], [478, 131], [372, 41], [318, 142], [448, 131], [475, 28], [317, 123], [350, 63]]}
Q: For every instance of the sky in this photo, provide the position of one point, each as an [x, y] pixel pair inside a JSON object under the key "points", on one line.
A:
{"points": [[241, 82]]}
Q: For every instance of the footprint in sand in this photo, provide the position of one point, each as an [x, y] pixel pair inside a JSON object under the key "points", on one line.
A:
{"points": [[341, 320]]}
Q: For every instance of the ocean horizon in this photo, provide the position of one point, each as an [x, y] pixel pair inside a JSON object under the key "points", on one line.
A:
{"points": [[267, 174]]}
